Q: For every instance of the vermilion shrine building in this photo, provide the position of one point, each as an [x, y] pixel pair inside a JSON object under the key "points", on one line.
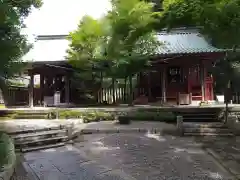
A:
{"points": [[179, 74]]}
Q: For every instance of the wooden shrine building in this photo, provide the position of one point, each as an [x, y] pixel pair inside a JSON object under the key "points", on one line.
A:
{"points": [[48, 61], [179, 74]]}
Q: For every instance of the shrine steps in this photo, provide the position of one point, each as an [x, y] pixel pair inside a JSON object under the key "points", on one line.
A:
{"points": [[203, 122], [206, 129], [40, 139]]}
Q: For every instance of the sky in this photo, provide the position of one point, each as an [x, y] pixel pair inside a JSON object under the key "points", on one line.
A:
{"points": [[62, 16]]}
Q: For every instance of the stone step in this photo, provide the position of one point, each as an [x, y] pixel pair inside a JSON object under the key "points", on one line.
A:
{"points": [[208, 134], [200, 119], [207, 130], [199, 114], [28, 149], [31, 130], [51, 140], [38, 135], [203, 125]]}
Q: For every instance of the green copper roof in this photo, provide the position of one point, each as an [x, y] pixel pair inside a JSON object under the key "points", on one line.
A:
{"points": [[184, 41]]}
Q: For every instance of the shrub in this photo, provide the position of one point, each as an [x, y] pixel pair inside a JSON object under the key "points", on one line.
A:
{"points": [[87, 116]]}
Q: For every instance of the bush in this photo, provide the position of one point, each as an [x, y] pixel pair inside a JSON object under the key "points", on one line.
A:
{"points": [[87, 116], [7, 151]]}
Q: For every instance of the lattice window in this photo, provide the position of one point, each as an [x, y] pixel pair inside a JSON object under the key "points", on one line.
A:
{"points": [[175, 74]]}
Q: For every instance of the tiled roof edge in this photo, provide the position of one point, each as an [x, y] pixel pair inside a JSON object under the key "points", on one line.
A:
{"points": [[51, 37], [180, 30]]}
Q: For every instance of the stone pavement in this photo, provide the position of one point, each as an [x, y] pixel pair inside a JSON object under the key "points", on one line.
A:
{"points": [[226, 150], [126, 157], [152, 156]]}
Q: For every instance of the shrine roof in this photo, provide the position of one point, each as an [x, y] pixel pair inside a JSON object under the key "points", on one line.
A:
{"points": [[48, 48], [184, 41]]}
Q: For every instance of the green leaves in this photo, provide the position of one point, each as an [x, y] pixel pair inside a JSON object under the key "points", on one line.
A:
{"points": [[122, 39], [220, 19], [13, 45]]}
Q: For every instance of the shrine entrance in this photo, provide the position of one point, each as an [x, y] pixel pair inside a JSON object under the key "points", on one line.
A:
{"points": [[53, 79]]}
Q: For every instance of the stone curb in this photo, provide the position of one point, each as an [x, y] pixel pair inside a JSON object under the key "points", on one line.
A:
{"points": [[117, 131], [218, 159]]}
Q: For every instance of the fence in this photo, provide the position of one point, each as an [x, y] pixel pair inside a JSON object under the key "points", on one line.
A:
{"points": [[106, 95], [236, 98], [121, 97]]}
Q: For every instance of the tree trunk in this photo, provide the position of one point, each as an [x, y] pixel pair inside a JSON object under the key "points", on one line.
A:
{"points": [[131, 90], [125, 90], [113, 90], [101, 85]]}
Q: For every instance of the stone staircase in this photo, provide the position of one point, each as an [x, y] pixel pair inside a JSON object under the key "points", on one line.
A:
{"points": [[206, 129], [32, 140], [203, 122]]}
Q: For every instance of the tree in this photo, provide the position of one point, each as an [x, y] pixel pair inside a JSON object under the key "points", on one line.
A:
{"points": [[13, 45], [120, 43]]}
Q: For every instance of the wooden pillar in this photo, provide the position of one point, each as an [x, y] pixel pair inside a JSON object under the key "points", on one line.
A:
{"points": [[67, 89], [31, 89], [149, 86], [202, 80], [164, 99], [42, 89]]}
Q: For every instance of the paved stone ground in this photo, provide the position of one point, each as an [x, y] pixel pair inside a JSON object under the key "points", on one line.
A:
{"points": [[226, 150], [126, 157]]}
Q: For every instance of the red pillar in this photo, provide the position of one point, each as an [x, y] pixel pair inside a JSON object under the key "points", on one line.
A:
{"points": [[202, 80]]}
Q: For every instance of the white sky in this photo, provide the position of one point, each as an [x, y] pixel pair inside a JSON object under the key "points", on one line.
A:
{"points": [[62, 16]]}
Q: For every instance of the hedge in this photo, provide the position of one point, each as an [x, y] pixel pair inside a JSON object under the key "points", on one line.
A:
{"points": [[87, 116]]}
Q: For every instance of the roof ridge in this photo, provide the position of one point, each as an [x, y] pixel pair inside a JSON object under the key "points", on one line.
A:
{"points": [[51, 37]]}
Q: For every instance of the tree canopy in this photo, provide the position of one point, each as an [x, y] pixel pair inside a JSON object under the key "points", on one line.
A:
{"points": [[219, 19], [123, 37], [13, 45]]}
